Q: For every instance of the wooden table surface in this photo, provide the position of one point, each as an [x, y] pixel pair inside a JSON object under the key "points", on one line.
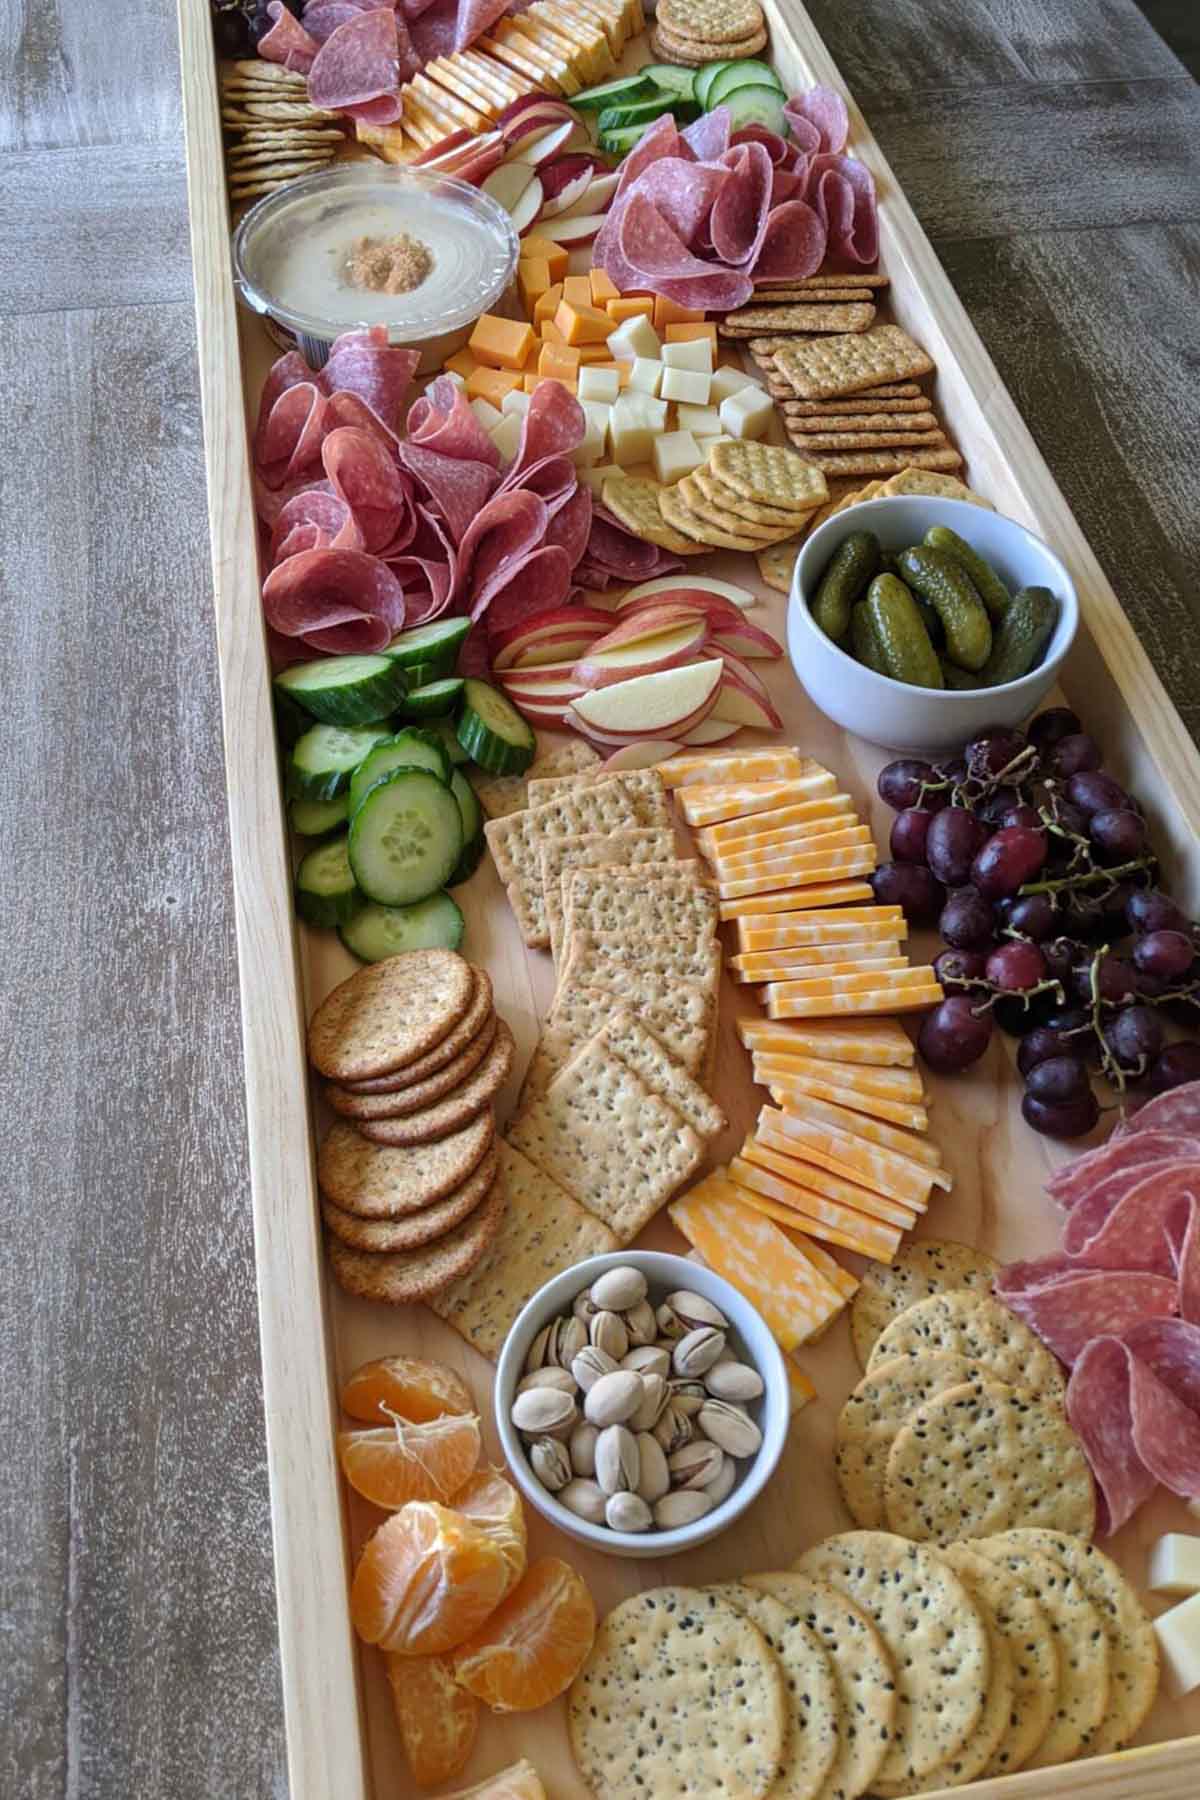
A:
{"points": [[1052, 149]]}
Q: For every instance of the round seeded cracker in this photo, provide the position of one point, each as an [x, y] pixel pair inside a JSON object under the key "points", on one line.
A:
{"points": [[695, 52], [1079, 1637], [636, 501], [418, 1227], [389, 1013], [1033, 1660], [862, 1670], [454, 1110], [402, 1276], [930, 1628], [680, 1697], [926, 1266], [813, 1709], [385, 1181], [417, 1094], [478, 1012], [979, 1328], [873, 1414], [711, 21]]}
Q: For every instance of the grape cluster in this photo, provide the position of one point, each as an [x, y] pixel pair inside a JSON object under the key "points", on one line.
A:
{"points": [[1033, 863]]}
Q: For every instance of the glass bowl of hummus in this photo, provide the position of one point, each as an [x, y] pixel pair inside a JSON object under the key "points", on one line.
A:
{"points": [[366, 244]]}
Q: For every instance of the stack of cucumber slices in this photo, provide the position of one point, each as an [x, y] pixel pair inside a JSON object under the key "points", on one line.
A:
{"points": [[628, 107], [377, 749]]}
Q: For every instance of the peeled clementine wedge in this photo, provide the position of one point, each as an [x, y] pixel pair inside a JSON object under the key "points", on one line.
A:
{"points": [[521, 1782], [425, 1581], [491, 1501], [400, 1462], [534, 1643], [407, 1385], [437, 1719]]}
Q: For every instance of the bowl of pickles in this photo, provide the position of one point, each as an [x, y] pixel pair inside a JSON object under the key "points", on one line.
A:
{"points": [[914, 621]]}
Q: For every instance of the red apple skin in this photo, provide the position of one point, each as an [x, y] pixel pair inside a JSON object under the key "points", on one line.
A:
{"points": [[738, 700], [592, 673], [744, 639], [562, 170], [451, 141], [538, 674], [722, 615], [674, 729], [533, 653], [555, 618], [652, 623], [516, 109]]}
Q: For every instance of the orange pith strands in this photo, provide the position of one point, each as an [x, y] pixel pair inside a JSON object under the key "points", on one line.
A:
{"points": [[437, 1719], [408, 1385], [426, 1581], [491, 1501], [402, 1462], [534, 1644]]}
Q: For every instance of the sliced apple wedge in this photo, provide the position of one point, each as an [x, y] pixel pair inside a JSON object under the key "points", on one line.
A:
{"points": [[540, 146], [598, 196], [525, 213], [600, 666], [646, 755], [536, 675], [721, 614], [710, 731], [560, 634], [725, 590], [651, 621], [662, 705], [742, 699], [507, 183], [744, 639], [577, 229]]}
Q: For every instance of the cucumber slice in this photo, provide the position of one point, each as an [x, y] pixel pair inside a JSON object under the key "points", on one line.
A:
{"points": [[405, 837], [493, 733], [413, 749], [713, 83], [616, 118], [291, 720], [323, 760], [474, 842], [434, 698], [317, 818], [620, 143], [434, 646], [612, 93], [326, 891], [444, 730], [672, 80], [346, 690], [756, 105], [376, 932], [705, 77]]}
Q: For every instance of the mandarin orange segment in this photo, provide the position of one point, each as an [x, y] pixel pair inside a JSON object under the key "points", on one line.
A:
{"points": [[426, 1580], [491, 1501], [408, 1385], [520, 1782], [534, 1643], [437, 1718], [401, 1462]]}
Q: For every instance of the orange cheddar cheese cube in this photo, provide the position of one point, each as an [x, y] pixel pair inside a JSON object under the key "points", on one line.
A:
{"points": [[604, 288], [461, 363], [582, 324], [594, 353], [558, 360], [686, 334], [531, 382], [491, 384], [533, 280], [630, 306], [501, 343], [556, 255], [546, 305], [577, 290], [550, 332], [666, 312]]}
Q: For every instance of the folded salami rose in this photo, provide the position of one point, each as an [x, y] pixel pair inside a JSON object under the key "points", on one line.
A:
{"points": [[288, 41], [342, 602], [426, 570], [357, 70], [824, 111], [314, 510], [457, 487], [380, 497]]}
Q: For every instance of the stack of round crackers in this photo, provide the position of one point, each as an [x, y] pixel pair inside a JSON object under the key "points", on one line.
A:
{"points": [[746, 496], [695, 32], [414, 1055], [274, 134]]}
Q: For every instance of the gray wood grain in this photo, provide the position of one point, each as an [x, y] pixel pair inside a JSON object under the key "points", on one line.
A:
{"points": [[78, 72], [137, 1597]]}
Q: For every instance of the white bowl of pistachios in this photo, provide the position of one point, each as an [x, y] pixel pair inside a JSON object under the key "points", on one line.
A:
{"points": [[642, 1403]]}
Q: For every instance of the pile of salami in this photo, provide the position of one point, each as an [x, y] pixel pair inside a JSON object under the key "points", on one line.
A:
{"points": [[705, 216], [1121, 1303], [357, 54], [374, 525]]}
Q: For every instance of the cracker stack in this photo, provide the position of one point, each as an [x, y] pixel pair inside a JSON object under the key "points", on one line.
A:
{"points": [[274, 134], [695, 32], [746, 496]]}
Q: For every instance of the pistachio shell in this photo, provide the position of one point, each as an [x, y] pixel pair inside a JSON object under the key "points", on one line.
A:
{"points": [[614, 1398], [536, 1354], [640, 1323], [719, 1489], [730, 1427], [655, 1394], [674, 1429], [618, 1462], [607, 1333], [733, 1380], [583, 1498], [584, 1307], [694, 1310], [550, 1463], [544, 1412], [617, 1289], [590, 1365], [696, 1464], [688, 1396], [548, 1377], [648, 1359], [698, 1351], [566, 1341], [654, 1477], [627, 1512], [670, 1325], [682, 1507], [582, 1446]]}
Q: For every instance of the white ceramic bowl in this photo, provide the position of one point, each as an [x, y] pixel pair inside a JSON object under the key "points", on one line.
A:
{"points": [[923, 721], [750, 1337]]}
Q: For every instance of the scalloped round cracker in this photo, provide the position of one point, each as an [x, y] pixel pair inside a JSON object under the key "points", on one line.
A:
{"points": [[979, 1328], [453, 1110], [384, 1181], [400, 1276], [768, 473]]}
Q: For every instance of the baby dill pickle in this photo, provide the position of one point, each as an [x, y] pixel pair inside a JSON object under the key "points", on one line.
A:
{"points": [[903, 641], [847, 573], [862, 638], [945, 584], [1021, 636], [991, 589], [960, 679]]}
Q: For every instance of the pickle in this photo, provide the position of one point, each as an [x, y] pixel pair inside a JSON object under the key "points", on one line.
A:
{"points": [[1021, 636], [931, 622], [847, 573], [903, 641], [988, 585], [863, 641], [960, 679], [936, 577]]}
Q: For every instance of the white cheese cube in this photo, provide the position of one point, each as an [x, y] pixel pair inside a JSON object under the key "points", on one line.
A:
{"points": [[515, 401], [747, 413], [594, 438], [690, 385], [454, 376], [488, 415], [676, 454], [693, 353], [1178, 1634], [1175, 1565], [635, 420], [635, 337], [701, 421], [645, 375], [507, 435], [596, 383], [728, 381]]}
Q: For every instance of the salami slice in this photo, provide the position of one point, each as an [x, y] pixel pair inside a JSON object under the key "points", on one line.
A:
{"points": [[343, 602], [570, 524], [1018, 1279], [270, 502], [1118, 1158], [288, 41], [553, 426], [358, 63], [1142, 1231], [1178, 1110], [475, 17], [708, 136], [777, 148], [793, 244], [721, 290], [505, 531], [379, 374], [434, 30], [662, 139], [457, 487], [592, 576], [842, 191], [826, 112], [740, 210], [427, 570], [442, 420], [298, 539], [288, 443], [315, 510], [612, 547], [1067, 1314], [1170, 1349], [1100, 1408], [683, 193], [365, 476], [787, 184], [1189, 1267], [321, 21], [531, 584]]}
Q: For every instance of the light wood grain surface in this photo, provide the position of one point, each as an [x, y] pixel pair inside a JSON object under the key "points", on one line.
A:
{"points": [[135, 1575]]}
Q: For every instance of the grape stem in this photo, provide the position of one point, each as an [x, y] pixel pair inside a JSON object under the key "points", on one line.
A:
{"points": [[1113, 1071], [1091, 879]]}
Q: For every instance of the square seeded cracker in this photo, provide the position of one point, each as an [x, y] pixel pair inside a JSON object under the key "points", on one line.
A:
{"points": [[595, 958], [852, 364], [544, 1231], [680, 1024], [616, 803], [593, 850], [676, 904], [641, 1051], [616, 1147], [500, 795], [545, 788]]}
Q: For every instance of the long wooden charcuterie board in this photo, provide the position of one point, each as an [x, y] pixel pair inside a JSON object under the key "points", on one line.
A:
{"points": [[341, 1735]]}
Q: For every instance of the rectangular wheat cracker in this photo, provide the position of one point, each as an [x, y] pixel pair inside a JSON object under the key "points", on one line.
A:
{"points": [[604, 900], [552, 787], [880, 462], [697, 958], [500, 795], [853, 363], [679, 1022], [633, 848], [641, 1051]]}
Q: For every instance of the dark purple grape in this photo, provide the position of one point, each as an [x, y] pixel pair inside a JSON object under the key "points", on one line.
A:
{"points": [[900, 783], [910, 887], [993, 808], [955, 771], [967, 922], [954, 1035], [1071, 755], [992, 751], [954, 968], [955, 837], [1061, 1118], [1116, 981], [1048, 1040], [1166, 953], [1062, 954], [1093, 791], [1008, 860], [1024, 815], [1069, 817], [1120, 835], [910, 829], [1019, 1014], [1015, 968], [1178, 1063], [1135, 1036], [1149, 910], [1033, 915], [1059, 1078], [1049, 727]]}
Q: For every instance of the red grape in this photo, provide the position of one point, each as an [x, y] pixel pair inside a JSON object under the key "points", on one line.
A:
{"points": [[1062, 954], [1165, 953], [1072, 754], [900, 783], [992, 751], [1119, 834], [1063, 1038], [1061, 1118], [1093, 791], [967, 922], [1028, 816], [1148, 910], [1049, 727], [910, 887], [1116, 980], [1015, 968], [1033, 915], [954, 1035], [1058, 1078], [955, 836], [1013, 856], [1179, 1063], [993, 806], [910, 829], [1135, 1036], [954, 968]]}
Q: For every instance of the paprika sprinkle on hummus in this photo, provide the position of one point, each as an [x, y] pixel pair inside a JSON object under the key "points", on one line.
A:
{"points": [[393, 265]]}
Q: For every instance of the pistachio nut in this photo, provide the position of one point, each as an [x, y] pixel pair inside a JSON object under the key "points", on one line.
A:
{"points": [[582, 1446], [590, 1365], [674, 1429], [733, 1381], [584, 1307], [670, 1325], [698, 1351], [627, 1512], [648, 1359], [607, 1333], [688, 1396], [536, 1354], [681, 1507], [694, 1310], [566, 1341], [614, 1398], [655, 1394], [617, 1289], [550, 1463], [584, 1498], [548, 1377], [654, 1477], [544, 1412], [719, 1489], [640, 1323], [731, 1427], [617, 1460], [696, 1464]]}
